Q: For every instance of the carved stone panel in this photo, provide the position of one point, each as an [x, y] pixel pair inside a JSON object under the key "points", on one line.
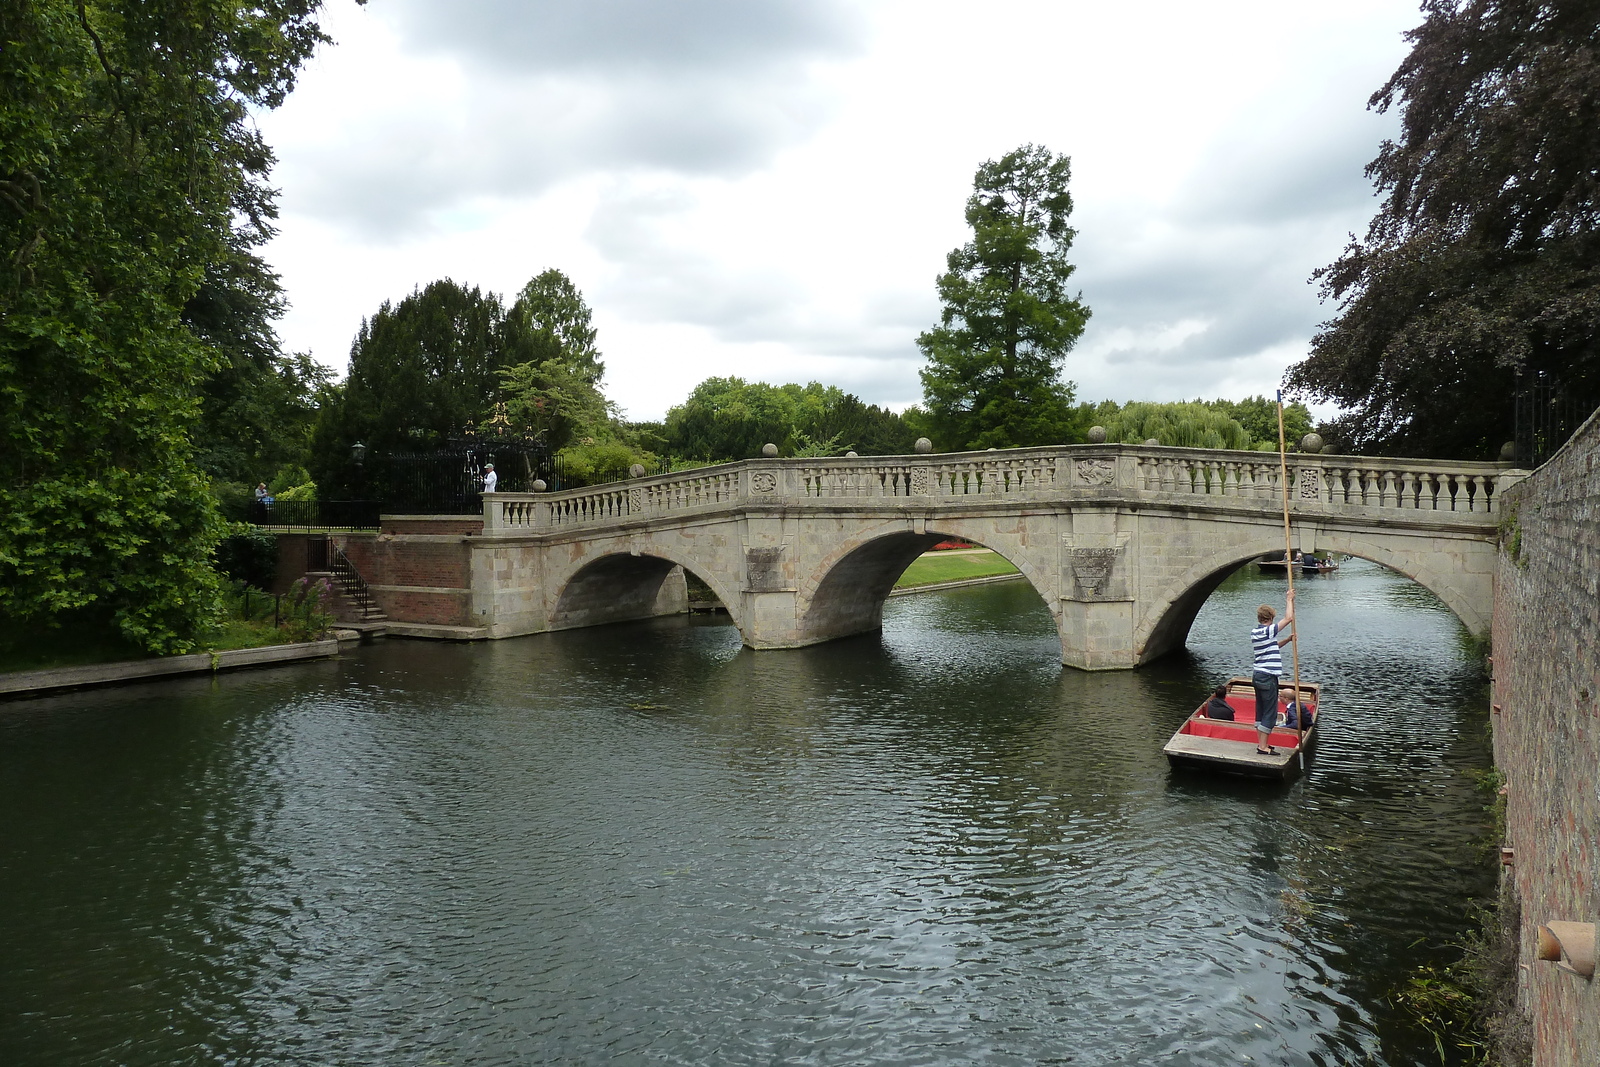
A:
{"points": [[635, 500], [763, 482], [1091, 571], [1094, 566], [919, 481], [764, 570], [1096, 472], [1310, 483]]}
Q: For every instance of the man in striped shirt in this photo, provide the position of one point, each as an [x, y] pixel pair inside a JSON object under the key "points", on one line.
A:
{"points": [[1267, 640]]}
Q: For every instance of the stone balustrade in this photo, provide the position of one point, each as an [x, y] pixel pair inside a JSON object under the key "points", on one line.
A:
{"points": [[1319, 485]]}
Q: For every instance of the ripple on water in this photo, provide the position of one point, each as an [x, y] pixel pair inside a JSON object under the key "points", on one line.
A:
{"points": [[643, 844]]}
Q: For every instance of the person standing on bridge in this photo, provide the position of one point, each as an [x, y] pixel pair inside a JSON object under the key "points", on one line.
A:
{"points": [[1267, 641], [490, 478]]}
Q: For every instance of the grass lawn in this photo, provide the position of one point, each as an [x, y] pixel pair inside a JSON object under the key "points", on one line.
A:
{"points": [[932, 567]]}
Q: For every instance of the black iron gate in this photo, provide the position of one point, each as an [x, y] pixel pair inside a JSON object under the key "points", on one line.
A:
{"points": [[448, 481], [1548, 412]]}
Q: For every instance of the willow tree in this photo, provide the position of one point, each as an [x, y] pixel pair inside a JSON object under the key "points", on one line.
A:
{"points": [[993, 376], [130, 167]]}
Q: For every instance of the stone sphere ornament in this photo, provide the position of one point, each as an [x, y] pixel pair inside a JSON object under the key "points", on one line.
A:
{"points": [[636, 471], [1311, 442], [538, 485], [1508, 452], [769, 450], [1097, 435], [923, 446], [1153, 441], [852, 455]]}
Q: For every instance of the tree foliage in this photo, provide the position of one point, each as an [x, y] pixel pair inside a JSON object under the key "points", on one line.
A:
{"points": [[550, 402], [1243, 425], [258, 404], [130, 171], [551, 320], [420, 371], [449, 358], [730, 418], [993, 377], [1484, 259]]}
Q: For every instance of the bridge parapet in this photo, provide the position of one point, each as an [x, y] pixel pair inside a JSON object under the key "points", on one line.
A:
{"points": [[1327, 485], [1331, 484]]}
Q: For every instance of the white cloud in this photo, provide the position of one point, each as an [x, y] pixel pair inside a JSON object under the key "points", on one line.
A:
{"points": [[768, 189]]}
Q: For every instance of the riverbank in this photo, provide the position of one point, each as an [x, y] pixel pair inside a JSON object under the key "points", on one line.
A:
{"points": [[943, 568], [58, 679], [939, 587]]}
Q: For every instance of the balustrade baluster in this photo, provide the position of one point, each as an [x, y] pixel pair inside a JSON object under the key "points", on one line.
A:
{"points": [[1408, 490], [1480, 499], [1258, 480]]}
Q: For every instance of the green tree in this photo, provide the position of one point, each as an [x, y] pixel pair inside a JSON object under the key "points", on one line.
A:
{"points": [[1258, 415], [551, 320], [258, 403], [993, 378], [730, 418], [550, 402], [420, 371], [1249, 424], [130, 168], [1484, 258]]}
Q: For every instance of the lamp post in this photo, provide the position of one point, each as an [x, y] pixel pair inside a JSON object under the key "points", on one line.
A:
{"points": [[358, 453]]}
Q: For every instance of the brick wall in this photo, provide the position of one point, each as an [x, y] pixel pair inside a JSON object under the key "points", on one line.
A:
{"points": [[1547, 733], [420, 578], [458, 525], [292, 561]]}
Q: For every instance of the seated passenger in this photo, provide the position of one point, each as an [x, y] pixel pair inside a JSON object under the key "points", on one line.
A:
{"points": [[1294, 717], [1217, 707]]}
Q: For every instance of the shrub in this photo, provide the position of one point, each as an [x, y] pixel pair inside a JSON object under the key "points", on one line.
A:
{"points": [[248, 554]]}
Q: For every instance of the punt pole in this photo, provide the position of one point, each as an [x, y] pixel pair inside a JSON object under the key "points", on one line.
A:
{"points": [[1288, 568]]}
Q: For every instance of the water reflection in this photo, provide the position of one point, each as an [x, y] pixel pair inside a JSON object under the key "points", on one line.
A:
{"points": [[645, 844]]}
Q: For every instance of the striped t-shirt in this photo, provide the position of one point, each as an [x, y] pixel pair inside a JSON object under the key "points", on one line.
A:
{"points": [[1269, 655]]}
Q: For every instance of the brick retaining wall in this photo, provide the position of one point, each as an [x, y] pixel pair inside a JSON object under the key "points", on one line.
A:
{"points": [[422, 578], [1547, 732]]}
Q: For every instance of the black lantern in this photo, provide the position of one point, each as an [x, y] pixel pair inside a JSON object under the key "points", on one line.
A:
{"points": [[358, 452]]}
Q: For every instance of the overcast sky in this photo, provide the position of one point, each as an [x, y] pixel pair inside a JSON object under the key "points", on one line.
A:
{"points": [[768, 188]]}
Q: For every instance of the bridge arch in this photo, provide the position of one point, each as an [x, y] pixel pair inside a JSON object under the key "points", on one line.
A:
{"points": [[845, 593], [1165, 625], [628, 584]]}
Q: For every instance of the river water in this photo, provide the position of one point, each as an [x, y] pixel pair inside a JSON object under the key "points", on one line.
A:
{"points": [[642, 844]]}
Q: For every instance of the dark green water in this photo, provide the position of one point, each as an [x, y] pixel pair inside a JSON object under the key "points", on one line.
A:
{"points": [[642, 844]]}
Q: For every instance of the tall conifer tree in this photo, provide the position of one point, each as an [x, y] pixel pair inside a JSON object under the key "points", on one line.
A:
{"points": [[993, 377]]}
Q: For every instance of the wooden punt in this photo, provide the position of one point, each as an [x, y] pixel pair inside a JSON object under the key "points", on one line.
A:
{"points": [[1230, 747]]}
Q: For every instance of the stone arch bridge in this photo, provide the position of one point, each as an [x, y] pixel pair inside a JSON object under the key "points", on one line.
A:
{"points": [[1123, 543]]}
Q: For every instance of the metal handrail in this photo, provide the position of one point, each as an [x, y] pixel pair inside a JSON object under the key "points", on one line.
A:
{"points": [[323, 555]]}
